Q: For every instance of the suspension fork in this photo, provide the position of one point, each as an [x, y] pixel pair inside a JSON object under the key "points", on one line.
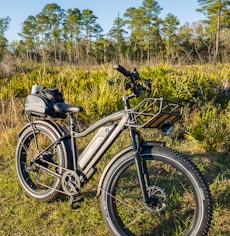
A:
{"points": [[140, 164]]}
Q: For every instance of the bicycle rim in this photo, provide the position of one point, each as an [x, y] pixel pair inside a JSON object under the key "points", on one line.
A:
{"points": [[177, 205], [32, 174]]}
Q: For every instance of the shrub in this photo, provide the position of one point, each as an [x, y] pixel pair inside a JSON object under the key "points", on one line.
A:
{"points": [[209, 127]]}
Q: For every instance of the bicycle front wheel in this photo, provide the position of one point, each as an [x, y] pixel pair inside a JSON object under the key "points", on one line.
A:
{"points": [[180, 201], [39, 162]]}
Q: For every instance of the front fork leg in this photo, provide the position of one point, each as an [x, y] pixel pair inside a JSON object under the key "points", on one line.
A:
{"points": [[142, 176], [141, 167]]}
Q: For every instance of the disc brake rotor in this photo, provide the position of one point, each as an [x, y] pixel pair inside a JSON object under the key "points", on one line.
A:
{"points": [[157, 199]]}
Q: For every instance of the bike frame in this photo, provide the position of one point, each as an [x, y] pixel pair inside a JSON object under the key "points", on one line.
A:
{"points": [[103, 140], [99, 144]]}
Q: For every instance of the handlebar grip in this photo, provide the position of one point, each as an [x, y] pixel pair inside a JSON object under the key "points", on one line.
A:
{"points": [[122, 70]]}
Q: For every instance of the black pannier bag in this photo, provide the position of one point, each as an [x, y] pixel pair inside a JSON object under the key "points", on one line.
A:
{"points": [[41, 103]]}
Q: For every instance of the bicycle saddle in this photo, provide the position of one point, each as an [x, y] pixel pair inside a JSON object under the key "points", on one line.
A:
{"points": [[61, 107]]}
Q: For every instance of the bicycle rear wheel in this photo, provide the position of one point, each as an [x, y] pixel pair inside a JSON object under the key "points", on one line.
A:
{"points": [[39, 176], [180, 201]]}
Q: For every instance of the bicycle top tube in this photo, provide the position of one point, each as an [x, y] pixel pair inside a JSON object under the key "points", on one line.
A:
{"points": [[110, 118]]}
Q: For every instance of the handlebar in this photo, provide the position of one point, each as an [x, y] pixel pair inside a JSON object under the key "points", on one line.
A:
{"points": [[133, 76], [122, 70]]}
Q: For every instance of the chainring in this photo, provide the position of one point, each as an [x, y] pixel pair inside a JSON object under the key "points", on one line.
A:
{"points": [[71, 183]]}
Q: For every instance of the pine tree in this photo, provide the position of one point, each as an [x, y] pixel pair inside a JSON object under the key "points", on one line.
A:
{"points": [[4, 24], [218, 18]]}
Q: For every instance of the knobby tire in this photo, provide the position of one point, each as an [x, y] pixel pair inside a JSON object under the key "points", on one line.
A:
{"points": [[174, 181]]}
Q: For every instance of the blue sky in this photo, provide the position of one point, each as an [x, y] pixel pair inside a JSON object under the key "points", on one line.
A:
{"points": [[105, 10]]}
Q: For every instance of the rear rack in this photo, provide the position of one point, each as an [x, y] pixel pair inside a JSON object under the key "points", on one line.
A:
{"points": [[154, 112]]}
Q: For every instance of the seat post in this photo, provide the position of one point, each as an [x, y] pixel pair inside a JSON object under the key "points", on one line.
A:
{"points": [[73, 144]]}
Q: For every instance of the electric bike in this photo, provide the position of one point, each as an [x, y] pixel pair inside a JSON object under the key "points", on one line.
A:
{"points": [[145, 189]]}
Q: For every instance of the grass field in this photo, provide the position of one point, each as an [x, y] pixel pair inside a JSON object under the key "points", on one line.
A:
{"points": [[21, 215]]}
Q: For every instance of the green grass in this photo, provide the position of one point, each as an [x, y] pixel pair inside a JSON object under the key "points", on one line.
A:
{"points": [[216, 168], [21, 215]]}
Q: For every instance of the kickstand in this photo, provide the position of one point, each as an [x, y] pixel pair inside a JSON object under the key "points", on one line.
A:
{"points": [[74, 201]]}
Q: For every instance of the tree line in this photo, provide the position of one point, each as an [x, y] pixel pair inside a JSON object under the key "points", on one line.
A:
{"points": [[140, 35]]}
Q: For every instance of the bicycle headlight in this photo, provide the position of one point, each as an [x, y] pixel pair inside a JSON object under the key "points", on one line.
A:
{"points": [[167, 127]]}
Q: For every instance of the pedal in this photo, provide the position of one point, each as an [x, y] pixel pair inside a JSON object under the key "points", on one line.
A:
{"points": [[75, 200]]}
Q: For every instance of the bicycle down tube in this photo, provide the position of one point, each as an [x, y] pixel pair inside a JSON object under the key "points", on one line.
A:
{"points": [[99, 144]]}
